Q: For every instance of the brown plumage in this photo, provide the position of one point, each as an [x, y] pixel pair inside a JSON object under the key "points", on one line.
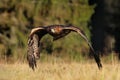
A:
{"points": [[57, 31]]}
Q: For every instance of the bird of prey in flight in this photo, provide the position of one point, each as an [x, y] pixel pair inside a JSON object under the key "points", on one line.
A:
{"points": [[57, 32]]}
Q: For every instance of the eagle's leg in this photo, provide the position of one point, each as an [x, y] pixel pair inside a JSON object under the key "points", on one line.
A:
{"points": [[61, 35]]}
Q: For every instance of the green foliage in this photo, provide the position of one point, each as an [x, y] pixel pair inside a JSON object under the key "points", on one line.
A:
{"points": [[19, 16]]}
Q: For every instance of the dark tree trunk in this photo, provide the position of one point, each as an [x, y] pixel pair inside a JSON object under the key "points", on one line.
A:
{"points": [[105, 26]]}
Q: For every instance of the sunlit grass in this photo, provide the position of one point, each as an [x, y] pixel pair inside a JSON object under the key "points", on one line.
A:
{"points": [[60, 71]]}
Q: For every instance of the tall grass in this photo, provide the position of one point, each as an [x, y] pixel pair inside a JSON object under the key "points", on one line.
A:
{"points": [[61, 70]]}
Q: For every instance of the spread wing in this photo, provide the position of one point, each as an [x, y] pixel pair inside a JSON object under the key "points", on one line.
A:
{"points": [[33, 51], [75, 29]]}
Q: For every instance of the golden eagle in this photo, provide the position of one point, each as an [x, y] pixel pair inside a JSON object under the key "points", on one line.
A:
{"points": [[57, 32]]}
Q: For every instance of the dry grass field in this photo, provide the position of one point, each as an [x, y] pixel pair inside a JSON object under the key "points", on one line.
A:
{"points": [[60, 71]]}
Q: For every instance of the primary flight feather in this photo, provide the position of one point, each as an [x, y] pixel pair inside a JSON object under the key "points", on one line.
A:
{"points": [[57, 32]]}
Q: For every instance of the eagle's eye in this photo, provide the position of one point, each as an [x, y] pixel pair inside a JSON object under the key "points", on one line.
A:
{"points": [[52, 30]]}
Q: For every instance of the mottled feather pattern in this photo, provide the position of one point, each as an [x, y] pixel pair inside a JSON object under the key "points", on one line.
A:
{"points": [[33, 50]]}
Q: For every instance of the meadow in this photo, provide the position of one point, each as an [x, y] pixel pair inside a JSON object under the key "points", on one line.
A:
{"points": [[86, 70]]}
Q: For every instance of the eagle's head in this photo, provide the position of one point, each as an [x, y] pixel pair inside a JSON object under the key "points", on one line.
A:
{"points": [[56, 30], [53, 30]]}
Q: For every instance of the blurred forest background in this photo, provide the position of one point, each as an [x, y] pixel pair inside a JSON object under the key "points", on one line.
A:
{"points": [[98, 18]]}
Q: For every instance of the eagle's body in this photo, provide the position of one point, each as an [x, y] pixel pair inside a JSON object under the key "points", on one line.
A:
{"points": [[56, 31]]}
